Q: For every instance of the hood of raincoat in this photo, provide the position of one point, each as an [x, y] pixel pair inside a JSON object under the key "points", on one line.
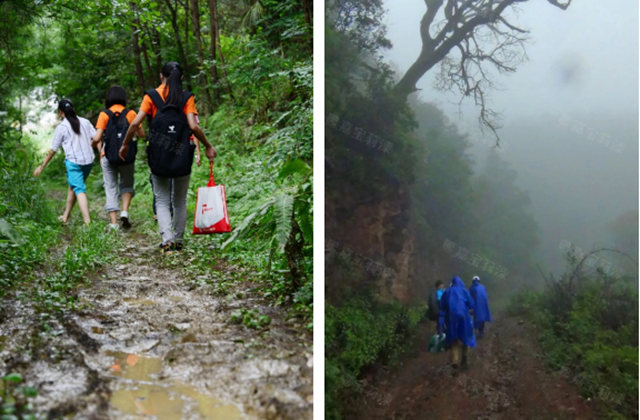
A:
{"points": [[457, 282]]}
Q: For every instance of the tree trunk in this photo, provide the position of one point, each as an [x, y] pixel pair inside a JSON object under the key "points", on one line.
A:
{"points": [[202, 77], [136, 50], [307, 7], [213, 24], [156, 41], [187, 48], [215, 29], [176, 30], [146, 61], [293, 251]]}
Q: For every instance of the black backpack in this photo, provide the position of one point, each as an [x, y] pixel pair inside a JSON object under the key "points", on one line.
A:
{"points": [[170, 152], [434, 307], [113, 137]]}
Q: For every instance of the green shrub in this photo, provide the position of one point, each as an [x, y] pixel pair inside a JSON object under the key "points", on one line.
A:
{"points": [[28, 225], [593, 332], [358, 334]]}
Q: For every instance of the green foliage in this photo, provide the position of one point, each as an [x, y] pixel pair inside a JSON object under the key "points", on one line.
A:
{"points": [[90, 248], [262, 127], [267, 199], [27, 220], [593, 333], [266, 147], [14, 398], [358, 334], [251, 318], [281, 23]]}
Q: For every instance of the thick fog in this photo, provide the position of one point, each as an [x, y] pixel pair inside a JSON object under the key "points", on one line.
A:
{"points": [[570, 115]]}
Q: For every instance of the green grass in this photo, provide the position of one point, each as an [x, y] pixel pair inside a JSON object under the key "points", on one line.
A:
{"points": [[90, 248], [15, 398]]}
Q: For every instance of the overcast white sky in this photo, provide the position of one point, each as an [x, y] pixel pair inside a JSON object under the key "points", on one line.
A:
{"points": [[595, 41]]}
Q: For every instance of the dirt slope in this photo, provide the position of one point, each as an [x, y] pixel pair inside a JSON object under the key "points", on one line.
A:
{"points": [[506, 379], [148, 345]]}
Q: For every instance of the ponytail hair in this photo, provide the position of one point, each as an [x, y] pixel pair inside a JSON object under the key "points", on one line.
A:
{"points": [[66, 107], [173, 72]]}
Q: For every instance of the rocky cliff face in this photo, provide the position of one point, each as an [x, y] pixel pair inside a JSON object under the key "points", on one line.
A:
{"points": [[372, 245]]}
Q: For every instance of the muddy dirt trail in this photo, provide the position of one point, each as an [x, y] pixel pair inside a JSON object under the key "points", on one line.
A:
{"points": [[146, 344], [506, 379]]}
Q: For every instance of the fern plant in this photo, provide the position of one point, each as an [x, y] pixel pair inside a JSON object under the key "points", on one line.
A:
{"points": [[286, 217]]}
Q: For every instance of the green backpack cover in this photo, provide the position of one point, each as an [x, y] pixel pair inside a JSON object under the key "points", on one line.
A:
{"points": [[437, 343]]}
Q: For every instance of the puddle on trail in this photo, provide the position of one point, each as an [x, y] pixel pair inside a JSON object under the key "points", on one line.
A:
{"points": [[132, 366], [165, 401]]}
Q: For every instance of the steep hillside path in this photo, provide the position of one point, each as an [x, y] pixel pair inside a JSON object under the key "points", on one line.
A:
{"points": [[506, 379]]}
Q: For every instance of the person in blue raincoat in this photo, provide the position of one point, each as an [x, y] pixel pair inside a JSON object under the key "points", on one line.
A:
{"points": [[481, 313], [455, 304]]}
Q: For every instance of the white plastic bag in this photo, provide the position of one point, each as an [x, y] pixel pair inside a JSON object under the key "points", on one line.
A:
{"points": [[211, 209]]}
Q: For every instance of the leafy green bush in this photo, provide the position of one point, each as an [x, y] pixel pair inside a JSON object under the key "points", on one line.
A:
{"points": [[14, 399], [593, 332], [358, 334], [265, 165], [251, 318], [28, 225]]}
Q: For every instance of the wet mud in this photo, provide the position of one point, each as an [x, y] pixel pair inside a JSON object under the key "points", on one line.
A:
{"points": [[146, 344], [506, 379]]}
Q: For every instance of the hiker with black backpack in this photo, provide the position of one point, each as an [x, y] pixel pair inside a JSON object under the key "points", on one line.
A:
{"points": [[170, 152], [434, 300], [111, 128], [437, 341]]}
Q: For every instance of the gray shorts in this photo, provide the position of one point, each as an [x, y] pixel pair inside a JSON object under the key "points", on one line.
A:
{"points": [[112, 188]]}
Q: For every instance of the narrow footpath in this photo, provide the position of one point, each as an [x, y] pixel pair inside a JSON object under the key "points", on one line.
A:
{"points": [[147, 344], [506, 379]]}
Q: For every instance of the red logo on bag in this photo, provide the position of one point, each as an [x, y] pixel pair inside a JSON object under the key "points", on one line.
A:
{"points": [[204, 208]]}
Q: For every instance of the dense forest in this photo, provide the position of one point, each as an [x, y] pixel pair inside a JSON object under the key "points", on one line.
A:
{"points": [[408, 204], [249, 65]]}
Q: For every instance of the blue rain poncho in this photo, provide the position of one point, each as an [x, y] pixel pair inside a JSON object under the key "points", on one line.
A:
{"points": [[454, 314], [481, 312]]}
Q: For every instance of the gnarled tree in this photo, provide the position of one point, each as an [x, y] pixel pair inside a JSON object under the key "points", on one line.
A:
{"points": [[469, 38]]}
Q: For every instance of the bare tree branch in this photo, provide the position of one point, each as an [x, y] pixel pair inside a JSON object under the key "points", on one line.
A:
{"points": [[563, 6], [471, 37], [576, 271]]}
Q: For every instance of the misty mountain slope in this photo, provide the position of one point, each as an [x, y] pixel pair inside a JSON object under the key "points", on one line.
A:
{"points": [[580, 174]]}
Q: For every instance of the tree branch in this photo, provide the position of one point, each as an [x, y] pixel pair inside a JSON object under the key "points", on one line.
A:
{"points": [[562, 6], [463, 22]]}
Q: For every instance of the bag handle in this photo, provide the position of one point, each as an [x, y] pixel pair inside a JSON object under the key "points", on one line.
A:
{"points": [[211, 183]]}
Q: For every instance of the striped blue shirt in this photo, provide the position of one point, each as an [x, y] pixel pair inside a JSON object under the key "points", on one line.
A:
{"points": [[77, 147]]}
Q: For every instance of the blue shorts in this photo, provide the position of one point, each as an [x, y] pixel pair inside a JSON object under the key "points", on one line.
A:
{"points": [[76, 175]]}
